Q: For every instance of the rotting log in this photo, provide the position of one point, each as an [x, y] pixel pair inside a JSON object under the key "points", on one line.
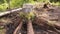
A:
{"points": [[30, 28], [8, 12], [18, 28]]}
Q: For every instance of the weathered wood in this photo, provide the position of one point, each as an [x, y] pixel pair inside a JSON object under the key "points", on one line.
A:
{"points": [[30, 28], [8, 12]]}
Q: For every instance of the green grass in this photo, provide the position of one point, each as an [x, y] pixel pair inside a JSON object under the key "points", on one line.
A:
{"points": [[3, 7]]}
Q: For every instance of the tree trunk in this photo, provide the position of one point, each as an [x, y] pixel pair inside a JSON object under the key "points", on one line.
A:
{"points": [[29, 28]]}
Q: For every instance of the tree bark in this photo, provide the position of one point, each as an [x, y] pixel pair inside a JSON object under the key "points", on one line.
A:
{"points": [[29, 28]]}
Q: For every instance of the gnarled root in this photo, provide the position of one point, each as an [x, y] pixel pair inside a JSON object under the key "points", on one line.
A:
{"points": [[29, 28], [18, 28]]}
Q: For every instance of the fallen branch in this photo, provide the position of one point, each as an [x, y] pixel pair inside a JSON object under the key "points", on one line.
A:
{"points": [[8, 12]]}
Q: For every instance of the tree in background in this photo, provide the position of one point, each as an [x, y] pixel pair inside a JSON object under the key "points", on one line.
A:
{"points": [[19, 3], [55, 1]]}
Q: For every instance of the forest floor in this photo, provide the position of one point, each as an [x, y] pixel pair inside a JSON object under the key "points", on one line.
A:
{"points": [[47, 21]]}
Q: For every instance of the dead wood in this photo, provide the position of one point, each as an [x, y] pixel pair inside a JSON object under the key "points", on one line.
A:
{"points": [[18, 28], [11, 11]]}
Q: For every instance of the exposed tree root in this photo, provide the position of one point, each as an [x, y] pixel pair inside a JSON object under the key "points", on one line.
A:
{"points": [[30, 28], [18, 28]]}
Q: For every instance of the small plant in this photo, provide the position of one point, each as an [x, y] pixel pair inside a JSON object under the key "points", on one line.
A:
{"points": [[27, 16], [3, 7]]}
